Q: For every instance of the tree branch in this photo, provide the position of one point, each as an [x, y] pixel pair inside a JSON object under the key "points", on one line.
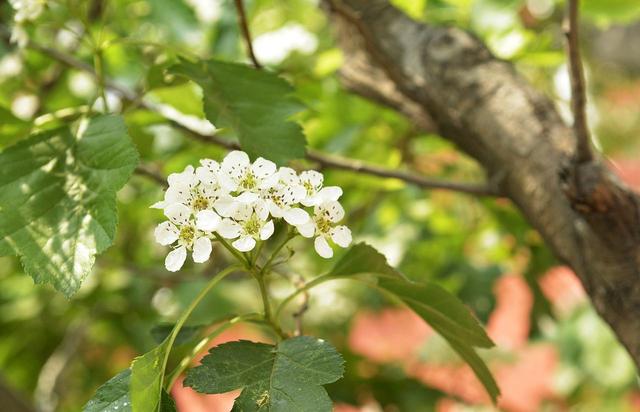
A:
{"points": [[584, 152], [587, 217], [244, 25]]}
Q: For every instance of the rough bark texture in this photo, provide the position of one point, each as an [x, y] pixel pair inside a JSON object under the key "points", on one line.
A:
{"points": [[445, 78]]}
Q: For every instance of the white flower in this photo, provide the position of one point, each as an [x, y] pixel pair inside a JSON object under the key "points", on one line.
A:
{"points": [[325, 216], [316, 194], [190, 235], [281, 199], [237, 174], [248, 225], [27, 10]]}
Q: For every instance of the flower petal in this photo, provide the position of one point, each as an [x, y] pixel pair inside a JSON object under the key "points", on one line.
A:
{"points": [[206, 176], [247, 197], [263, 168], [235, 164], [166, 233], [207, 220], [341, 235], [267, 230], [307, 229], [322, 247], [331, 210], [175, 259], [288, 176], [244, 244], [229, 229], [296, 216], [184, 178], [314, 178], [226, 206], [201, 250], [178, 213], [330, 193]]}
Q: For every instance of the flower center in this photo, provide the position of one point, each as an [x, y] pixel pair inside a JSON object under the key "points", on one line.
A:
{"points": [[309, 187], [199, 202], [187, 233], [249, 181], [276, 197], [253, 225], [323, 225]]}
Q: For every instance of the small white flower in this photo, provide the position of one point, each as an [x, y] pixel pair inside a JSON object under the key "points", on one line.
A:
{"points": [[237, 174], [249, 226], [27, 10], [322, 225], [281, 199], [189, 235], [316, 194]]}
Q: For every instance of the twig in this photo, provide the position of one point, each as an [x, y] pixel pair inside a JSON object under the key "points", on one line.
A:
{"points": [[147, 171], [320, 158], [244, 25], [584, 152], [298, 314]]}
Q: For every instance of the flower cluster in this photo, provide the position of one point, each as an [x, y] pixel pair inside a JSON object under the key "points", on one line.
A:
{"points": [[25, 11], [239, 200]]}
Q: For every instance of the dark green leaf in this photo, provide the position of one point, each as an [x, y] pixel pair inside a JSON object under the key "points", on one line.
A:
{"points": [[57, 198], [256, 104], [114, 396], [451, 319], [362, 258], [284, 377]]}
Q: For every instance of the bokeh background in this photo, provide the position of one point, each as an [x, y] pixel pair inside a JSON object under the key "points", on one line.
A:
{"points": [[553, 354]]}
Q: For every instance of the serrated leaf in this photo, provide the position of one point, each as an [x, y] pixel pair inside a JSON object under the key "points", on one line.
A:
{"points": [[256, 104], [57, 198], [448, 316], [113, 396], [363, 258], [285, 377]]}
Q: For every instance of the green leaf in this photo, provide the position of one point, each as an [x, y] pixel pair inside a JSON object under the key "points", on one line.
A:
{"points": [[285, 377], [363, 258], [114, 396], [448, 316], [57, 198], [146, 381], [256, 104]]}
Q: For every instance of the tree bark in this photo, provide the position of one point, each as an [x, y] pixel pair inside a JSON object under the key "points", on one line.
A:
{"points": [[446, 78]]}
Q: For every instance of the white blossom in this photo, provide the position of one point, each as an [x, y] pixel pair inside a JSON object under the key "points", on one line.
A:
{"points": [[323, 227], [240, 200], [25, 11]]}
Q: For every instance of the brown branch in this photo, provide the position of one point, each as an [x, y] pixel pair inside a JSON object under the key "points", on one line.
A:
{"points": [[244, 25], [304, 307], [584, 152], [146, 170]]}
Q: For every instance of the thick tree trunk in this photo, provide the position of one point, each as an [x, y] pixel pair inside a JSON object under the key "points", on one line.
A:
{"points": [[444, 77]]}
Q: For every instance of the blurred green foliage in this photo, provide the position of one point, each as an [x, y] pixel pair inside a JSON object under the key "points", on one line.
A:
{"points": [[463, 243]]}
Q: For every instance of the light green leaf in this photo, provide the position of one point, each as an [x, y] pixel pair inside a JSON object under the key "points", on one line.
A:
{"points": [[363, 258], [113, 396], [256, 104], [451, 319], [146, 381], [57, 198], [285, 377]]}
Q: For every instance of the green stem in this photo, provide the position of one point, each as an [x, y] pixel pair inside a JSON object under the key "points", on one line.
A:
{"points": [[233, 251], [276, 251], [185, 315], [184, 363], [267, 306], [98, 62]]}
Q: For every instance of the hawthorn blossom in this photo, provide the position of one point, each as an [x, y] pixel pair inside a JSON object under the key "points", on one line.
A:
{"points": [[249, 224], [25, 11], [189, 234], [323, 227], [241, 200], [312, 182]]}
